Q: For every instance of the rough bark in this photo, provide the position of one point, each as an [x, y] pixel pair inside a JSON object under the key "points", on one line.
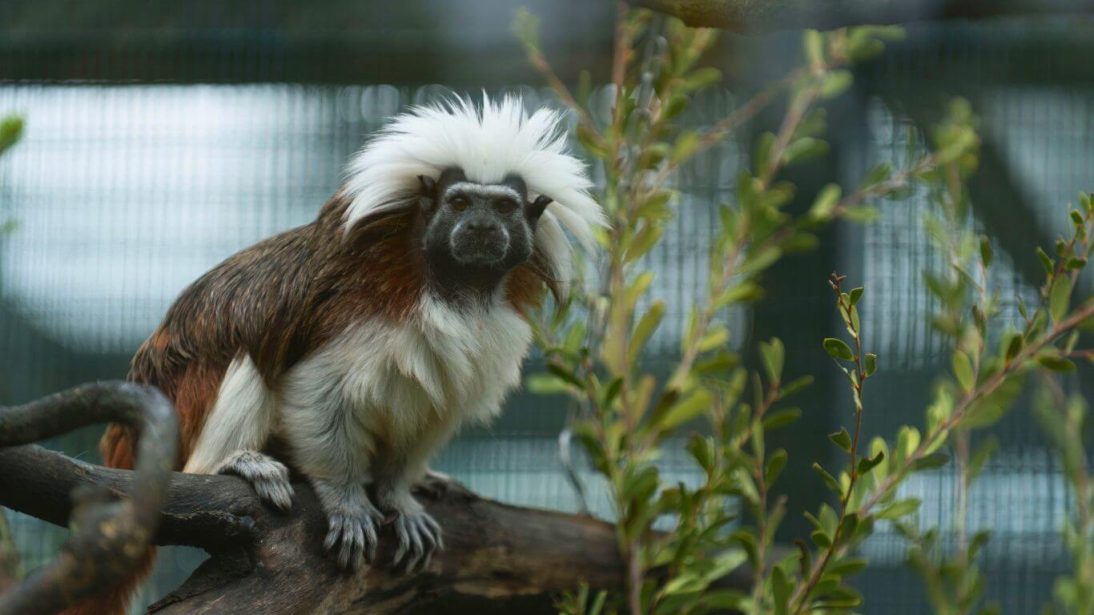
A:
{"points": [[498, 558], [769, 15]]}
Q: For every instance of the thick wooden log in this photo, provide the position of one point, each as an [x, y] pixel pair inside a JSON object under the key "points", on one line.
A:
{"points": [[498, 558]]}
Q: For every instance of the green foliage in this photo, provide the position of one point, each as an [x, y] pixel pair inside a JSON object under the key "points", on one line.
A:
{"points": [[595, 344], [1065, 422], [11, 129]]}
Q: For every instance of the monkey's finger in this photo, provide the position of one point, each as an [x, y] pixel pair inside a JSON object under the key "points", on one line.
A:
{"points": [[417, 548], [435, 531], [276, 493], [404, 540], [371, 540], [334, 531]]}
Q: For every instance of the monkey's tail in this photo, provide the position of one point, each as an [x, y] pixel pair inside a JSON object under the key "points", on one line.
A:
{"points": [[117, 447]]}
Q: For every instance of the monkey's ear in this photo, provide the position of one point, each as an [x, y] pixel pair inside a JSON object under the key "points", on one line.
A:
{"points": [[427, 198], [535, 209]]}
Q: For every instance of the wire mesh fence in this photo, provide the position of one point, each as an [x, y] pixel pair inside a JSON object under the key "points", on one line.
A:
{"points": [[124, 193]]}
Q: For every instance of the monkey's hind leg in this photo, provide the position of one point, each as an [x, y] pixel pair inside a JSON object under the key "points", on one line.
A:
{"points": [[268, 476]]}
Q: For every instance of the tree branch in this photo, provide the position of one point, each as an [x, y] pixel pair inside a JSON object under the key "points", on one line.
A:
{"points": [[498, 558], [108, 537], [769, 15]]}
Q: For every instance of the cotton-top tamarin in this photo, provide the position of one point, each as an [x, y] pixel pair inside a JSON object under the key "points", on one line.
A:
{"points": [[362, 341]]}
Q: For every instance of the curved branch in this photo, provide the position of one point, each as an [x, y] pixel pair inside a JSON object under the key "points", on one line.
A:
{"points": [[498, 558], [109, 537], [769, 15]]}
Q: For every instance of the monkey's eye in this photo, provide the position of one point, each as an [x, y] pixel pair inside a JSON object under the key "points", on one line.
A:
{"points": [[505, 206], [460, 203]]}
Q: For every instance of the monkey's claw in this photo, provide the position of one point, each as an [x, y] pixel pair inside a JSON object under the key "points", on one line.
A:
{"points": [[268, 477], [419, 537], [352, 537]]}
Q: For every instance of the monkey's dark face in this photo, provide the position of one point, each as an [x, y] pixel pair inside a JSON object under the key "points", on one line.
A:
{"points": [[477, 232]]}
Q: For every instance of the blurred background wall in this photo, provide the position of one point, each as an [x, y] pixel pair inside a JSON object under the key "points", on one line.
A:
{"points": [[162, 137]]}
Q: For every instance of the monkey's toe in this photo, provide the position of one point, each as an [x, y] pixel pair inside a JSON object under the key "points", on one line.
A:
{"points": [[419, 537], [268, 476], [352, 537]]}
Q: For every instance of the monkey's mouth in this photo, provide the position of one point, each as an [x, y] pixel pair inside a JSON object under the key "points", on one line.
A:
{"points": [[479, 246]]}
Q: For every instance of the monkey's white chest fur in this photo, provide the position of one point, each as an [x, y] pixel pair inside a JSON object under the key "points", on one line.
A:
{"points": [[385, 390], [380, 398]]}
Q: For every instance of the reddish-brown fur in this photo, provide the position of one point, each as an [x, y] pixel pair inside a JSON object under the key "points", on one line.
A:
{"points": [[277, 301]]}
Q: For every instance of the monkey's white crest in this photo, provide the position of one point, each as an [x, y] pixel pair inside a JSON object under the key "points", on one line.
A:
{"points": [[488, 142]]}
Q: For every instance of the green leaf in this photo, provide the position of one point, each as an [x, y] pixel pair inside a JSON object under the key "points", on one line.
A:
{"points": [[836, 83], [702, 449], [546, 384], [645, 328], [931, 462], [821, 538], [611, 392], [702, 78], [869, 463], [773, 355], [745, 291], [838, 349], [685, 410], [828, 479], [847, 566], [804, 148], [685, 147], [781, 586], [871, 363], [11, 130], [794, 386], [781, 418], [980, 458], [985, 251], [775, 465], [854, 296], [1014, 346], [715, 338], [760, 260], [962, 370], [1046, 262], [878, 174], [825, 203], [813, 42], [1055, 363], [899, 509], [565, 375], [861, 213], [841, 439], [1059, 297]]}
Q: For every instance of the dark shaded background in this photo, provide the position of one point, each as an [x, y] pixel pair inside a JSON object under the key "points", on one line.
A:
{"points": [[164, 136]]}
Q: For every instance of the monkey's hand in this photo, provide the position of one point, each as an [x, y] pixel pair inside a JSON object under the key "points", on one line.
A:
{"points": [[418, 533], [268, 476], [352, 521]]}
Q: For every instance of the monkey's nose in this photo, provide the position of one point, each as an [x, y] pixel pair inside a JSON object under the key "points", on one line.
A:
{"points": [[483, 228]]}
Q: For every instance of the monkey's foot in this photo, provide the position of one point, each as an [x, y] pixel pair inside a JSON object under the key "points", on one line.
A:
{"points": [[351, 523], [268, 476], [418, 533]]}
